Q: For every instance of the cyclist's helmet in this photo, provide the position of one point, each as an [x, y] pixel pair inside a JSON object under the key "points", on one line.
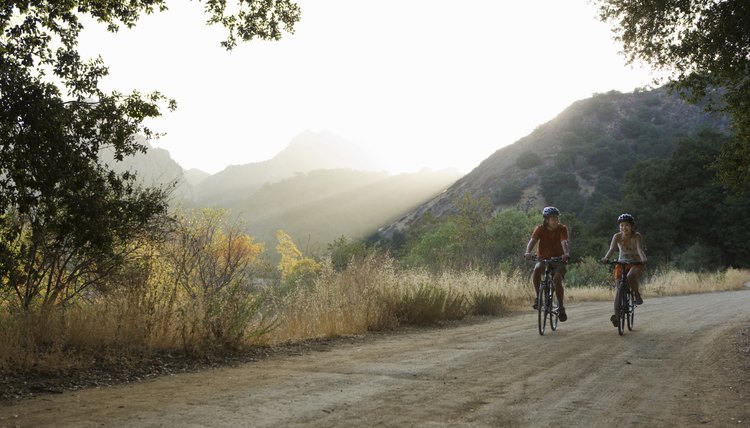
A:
{"points": [[626, 217], [550, 211]]}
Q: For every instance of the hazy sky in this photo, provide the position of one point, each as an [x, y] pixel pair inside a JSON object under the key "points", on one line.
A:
{"points": [[433, 83]]}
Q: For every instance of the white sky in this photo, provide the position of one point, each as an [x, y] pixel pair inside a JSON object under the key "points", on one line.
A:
{"points": [[432, 83]]}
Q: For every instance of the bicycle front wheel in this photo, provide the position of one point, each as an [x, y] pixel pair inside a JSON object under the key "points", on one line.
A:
{"points": [[554, 308], [631, 310], [622, 298], [541, 307]]}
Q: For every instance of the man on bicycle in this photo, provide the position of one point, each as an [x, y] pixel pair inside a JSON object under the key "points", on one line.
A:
{"points": [[552, 237], [630, 244]]}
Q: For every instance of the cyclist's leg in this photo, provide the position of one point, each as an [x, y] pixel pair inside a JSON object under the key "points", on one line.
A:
{"points": [[633, 275], [560, 291]]}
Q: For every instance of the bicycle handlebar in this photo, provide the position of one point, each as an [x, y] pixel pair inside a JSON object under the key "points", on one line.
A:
{"points": [[626, 262]]}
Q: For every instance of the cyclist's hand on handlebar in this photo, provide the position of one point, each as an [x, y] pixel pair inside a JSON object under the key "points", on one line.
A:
{"points": [[527, 256], [604, 260], [565, 258]]}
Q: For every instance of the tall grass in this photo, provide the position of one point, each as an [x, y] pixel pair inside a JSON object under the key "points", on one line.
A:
{"points": [[372, 294], [672, 282]]}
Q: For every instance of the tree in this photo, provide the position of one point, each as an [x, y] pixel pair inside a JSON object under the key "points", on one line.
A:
{"points": [[212, 261], [436, 249], [49, 258], [509, 232], [459, 241], [344, 251], [510, 192], [55, 195], [296, 269], [704, 45], [683, 210]]}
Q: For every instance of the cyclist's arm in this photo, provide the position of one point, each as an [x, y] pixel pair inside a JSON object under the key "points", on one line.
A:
{"points": [[639, 248], [612, 248], [530, 246], [566, 250]]}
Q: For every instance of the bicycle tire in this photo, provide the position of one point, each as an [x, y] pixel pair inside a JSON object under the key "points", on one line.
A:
{"points": [[631, 310], [542, 311], [622, 299], [554, 308]]}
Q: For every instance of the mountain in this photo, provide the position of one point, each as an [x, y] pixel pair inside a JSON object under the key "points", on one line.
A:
{"points": [[153, 168], [194, 176], [318, 188], [320, 206], [307, 152], [580, 156]]}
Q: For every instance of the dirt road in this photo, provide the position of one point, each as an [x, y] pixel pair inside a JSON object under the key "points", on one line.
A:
{"points": [[681, 366]]}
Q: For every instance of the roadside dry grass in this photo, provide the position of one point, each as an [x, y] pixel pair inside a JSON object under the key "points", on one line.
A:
{"points": [[670, 283], [371, 296]]}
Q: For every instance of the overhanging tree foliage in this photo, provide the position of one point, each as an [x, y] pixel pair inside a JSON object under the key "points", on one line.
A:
{"points": [[681, 207], [58, 205], [705, 45]]}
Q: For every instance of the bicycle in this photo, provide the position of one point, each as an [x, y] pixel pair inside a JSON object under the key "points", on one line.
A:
{"points": [[625, 296], [546, 298]]}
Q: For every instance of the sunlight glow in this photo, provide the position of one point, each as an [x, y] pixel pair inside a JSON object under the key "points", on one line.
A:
{"points": [[420, 83]]}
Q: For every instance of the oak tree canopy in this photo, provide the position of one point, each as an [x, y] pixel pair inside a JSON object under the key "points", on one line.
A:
{"points": [[705, 46], [62, 212]]}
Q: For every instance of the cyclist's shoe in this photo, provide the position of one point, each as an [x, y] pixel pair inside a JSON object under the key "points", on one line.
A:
{"points": [[615, 320], [638, 299], [562, 315], [535, 305]]}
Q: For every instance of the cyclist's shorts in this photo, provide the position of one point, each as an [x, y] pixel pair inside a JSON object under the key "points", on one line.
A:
{"points": [[618, 269], [559, 267]]}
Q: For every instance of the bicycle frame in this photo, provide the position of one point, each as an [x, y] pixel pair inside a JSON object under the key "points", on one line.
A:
{"points": [[624, 296], [547, 305]]}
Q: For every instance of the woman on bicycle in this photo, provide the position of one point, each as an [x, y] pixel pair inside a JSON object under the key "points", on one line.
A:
{"points": [[552, 237], [630, 245]]}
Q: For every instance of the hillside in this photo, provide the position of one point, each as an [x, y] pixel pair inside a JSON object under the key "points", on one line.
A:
{"points": [[317, 189], [581, 155], [307, 152], [156, 168], [322, 205]]}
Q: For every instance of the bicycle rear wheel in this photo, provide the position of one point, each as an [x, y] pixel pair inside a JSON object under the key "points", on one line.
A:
{"points": [[622, 297], [541, 307]]}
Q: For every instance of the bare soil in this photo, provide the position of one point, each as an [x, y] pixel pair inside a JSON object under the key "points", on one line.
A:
{"points": [[686, 363]]}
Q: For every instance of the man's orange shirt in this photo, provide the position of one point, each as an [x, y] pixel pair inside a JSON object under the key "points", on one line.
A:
{"points": [[550, 241]]}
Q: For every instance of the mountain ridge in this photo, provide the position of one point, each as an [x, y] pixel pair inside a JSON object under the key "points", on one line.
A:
{"points": [[298, 190], [306, 152], [572, 153]]}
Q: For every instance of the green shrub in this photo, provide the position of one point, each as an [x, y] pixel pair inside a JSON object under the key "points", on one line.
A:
{"points": [[589, 273], [528, 160]]}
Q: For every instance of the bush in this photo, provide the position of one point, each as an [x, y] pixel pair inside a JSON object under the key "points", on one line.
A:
{"points": [[509, 193], [428, 304], [698, 258], [589, 273], [488, 303], [528, 160]]}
